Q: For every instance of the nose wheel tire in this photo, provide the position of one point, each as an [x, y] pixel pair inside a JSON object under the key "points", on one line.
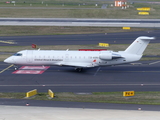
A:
{"points": [[15, 67]]}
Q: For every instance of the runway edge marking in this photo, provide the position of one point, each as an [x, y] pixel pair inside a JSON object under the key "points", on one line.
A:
{"points": [[154, 63]]}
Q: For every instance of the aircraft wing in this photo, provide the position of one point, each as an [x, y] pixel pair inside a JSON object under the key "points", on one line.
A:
{"points": [[77, 64]]}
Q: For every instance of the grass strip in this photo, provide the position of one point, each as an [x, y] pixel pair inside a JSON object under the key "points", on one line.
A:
{"points": [[53, 30], [68, 1], [37, 11], [150, 98], [152, 49]]}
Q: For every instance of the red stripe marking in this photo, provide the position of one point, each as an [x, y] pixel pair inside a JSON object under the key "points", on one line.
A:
{"points": [[92, 49]]}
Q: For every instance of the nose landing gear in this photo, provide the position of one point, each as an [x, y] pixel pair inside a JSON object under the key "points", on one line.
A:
{"points": [[15, 67]]}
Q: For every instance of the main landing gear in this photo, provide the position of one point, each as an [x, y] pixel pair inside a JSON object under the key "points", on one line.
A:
{"points": [[78, 69]]}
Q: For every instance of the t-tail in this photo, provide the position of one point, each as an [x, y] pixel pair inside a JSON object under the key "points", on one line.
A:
{"points": [[139, 45]]}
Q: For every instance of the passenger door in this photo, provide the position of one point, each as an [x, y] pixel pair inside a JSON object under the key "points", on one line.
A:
{"points": [[29, 56]]}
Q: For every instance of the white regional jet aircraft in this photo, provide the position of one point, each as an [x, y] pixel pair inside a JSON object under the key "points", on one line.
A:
{"points": [[81, 59]]}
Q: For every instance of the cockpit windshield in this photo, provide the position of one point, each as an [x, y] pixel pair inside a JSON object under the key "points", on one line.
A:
{"points": [[17, 54]]}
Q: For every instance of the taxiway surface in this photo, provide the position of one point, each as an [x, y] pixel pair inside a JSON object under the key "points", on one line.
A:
{"points": [[84, 39], [152, 23], [64, 79]]}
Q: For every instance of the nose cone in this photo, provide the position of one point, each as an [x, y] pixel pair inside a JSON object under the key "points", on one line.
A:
{"points": [[8, 60]]}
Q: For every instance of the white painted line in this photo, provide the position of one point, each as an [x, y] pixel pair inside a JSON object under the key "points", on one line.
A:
{"points": [[97, 71], [154, 63]]}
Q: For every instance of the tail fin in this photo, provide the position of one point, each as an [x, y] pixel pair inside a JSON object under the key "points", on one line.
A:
{"points": [[139, 45]]}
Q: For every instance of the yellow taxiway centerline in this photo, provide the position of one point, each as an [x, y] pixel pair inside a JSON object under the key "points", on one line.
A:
{"points": [[6, 68], [8, 42]]}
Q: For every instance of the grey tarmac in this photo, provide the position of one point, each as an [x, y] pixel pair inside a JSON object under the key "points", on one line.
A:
{"points": [[65, 79], [83, 39]]}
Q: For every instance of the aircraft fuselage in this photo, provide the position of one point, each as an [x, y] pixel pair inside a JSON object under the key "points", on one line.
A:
{"points": [[72, 58]]}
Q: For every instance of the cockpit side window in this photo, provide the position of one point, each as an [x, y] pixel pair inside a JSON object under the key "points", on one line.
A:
{"points": [[17, 54]]}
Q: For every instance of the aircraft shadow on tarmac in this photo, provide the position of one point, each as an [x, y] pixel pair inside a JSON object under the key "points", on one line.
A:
{"points": [[93, 71]]}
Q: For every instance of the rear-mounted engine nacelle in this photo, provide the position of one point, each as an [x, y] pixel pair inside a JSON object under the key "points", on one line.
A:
{"points": [[105, 56]]}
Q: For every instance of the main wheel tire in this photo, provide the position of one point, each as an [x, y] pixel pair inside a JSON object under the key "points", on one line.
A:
{"points": [[79, 69]]}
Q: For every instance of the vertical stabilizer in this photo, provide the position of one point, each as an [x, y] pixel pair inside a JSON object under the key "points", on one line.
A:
{"points": [[139, 45]]}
